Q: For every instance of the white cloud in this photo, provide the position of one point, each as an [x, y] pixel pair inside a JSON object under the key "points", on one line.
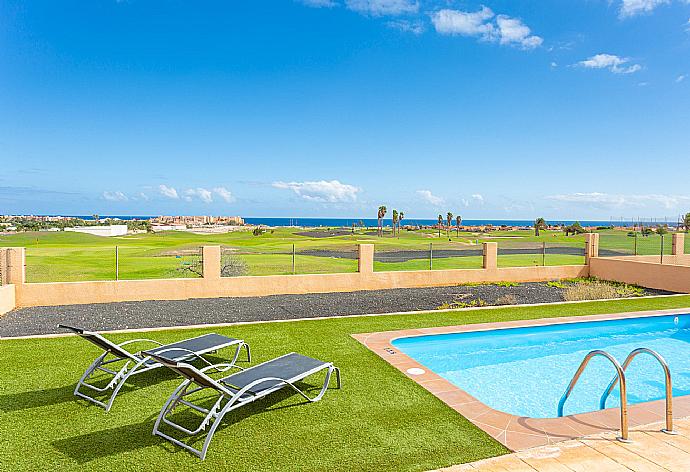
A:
{"points": [[680, 78], [479, 198], [554, 64], [616, 64], [383, 7], [319, 3], [141, 196], [406, 26], [465, 23], [169, 192], [115, 196], [225, 194], [635, 7], [324, 191], [430, 198], [607, 200], [203, 194], [514, 31], [485, 25]]}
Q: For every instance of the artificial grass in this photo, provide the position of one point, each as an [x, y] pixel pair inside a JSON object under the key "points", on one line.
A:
{"points": [[380, 420]]}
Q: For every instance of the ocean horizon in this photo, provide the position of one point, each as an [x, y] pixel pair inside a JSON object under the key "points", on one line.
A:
{"points": [[315, 222]]}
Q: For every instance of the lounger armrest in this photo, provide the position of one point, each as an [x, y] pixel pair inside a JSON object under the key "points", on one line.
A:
{"points": [[192, 353], [220, 367], [139, 341]]}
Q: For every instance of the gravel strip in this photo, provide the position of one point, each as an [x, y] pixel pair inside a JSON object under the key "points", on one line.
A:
{"points": [[151, 314]]}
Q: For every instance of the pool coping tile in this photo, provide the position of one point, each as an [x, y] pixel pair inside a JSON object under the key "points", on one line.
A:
{"points": [[519, 433]]}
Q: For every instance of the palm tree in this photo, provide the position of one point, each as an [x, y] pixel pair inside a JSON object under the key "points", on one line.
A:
{"points": [[381, 214], [440, 222], [449, 219], [401, 216], [539, 224], [458, 222], [686, 222], [96, 218], [395, 221]]}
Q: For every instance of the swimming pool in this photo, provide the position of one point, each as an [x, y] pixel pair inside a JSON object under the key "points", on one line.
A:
{"points": [[524, 371]]}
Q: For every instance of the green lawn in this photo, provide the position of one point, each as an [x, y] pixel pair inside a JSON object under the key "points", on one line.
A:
{"points": [[65, 256], [380, 420]]}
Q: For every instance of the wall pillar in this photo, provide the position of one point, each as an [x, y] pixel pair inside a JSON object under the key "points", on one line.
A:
{"points": [[14, 268], [210, 256], [366, 259], [490, 255], [591, 246], [678, 244]]}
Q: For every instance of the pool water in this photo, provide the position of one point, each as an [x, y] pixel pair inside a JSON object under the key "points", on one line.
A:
{"points": [[524, 371]]}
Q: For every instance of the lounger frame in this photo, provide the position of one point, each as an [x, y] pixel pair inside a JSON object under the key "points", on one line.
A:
{"points": [[227, 399], [134, 363]]}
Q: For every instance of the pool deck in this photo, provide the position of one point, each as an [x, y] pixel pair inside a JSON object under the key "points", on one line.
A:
{"points": [[515, 432], [650, 450]]}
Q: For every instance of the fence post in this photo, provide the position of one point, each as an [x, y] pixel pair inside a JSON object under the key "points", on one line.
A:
{"points": [[678, 244], [662, 249], [591, 246], [635, 247], [210, 256], [431, 256], [117, 263], [293, 259], [490, 251], [365, 263], [15, 265], [543, 253]]}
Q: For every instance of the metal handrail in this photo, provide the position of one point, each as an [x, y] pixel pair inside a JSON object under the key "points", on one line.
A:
{"points": [[669, 385], [621, 382]]}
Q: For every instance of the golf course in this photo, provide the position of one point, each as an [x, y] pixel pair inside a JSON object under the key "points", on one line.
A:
{"points": [[69, 256]]}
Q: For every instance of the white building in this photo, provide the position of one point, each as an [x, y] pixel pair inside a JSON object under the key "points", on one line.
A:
{"points": [[112, 230]]}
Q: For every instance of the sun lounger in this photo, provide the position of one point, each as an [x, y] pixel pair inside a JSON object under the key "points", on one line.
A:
{"points": [[139, 362], [235, 390]]}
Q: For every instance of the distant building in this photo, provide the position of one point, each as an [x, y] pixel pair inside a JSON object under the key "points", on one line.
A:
{"points": [[112, 230], [159, 228], [198, 220]]}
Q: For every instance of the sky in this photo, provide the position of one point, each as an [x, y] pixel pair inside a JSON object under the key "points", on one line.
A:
{"points": [[500, 109]]}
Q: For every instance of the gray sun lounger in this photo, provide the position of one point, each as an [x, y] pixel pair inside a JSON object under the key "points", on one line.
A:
{"points": [[235, 390], [188, 349]]}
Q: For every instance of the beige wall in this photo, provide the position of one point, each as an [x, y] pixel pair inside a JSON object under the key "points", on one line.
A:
{"points": [[61, 293], [647, 273], [7, 298]]}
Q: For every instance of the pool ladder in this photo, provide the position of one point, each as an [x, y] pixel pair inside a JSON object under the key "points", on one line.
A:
{"points": [[620, 379]]}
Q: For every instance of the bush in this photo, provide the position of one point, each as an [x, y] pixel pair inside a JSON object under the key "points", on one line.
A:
{"points": [[590, 291], [508, 299], [233, 266]]}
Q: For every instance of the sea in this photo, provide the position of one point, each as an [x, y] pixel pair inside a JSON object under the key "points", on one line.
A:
{"points": [[373, 222]]}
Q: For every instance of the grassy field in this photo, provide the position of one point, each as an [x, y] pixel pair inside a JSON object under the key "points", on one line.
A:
{"points": [[74, 256], [380, 420]]}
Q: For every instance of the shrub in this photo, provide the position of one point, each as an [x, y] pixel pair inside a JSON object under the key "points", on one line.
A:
{"points": [[233, 266], [507, 284], [507, 299], [590, 291], [556, 284]]}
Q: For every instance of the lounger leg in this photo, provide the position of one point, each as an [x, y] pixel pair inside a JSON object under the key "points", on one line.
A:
{"points": [[170, 403], [122, 381], [216, 422], [249, 354]]}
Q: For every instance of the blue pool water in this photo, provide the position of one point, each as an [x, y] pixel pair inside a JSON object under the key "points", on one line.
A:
{"points": [[524, 371]]}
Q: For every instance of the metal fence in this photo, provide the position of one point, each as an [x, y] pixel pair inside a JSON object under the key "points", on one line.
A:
{"points": [[431, 256], [287, 259], [524, 254], [635, 244], [111, 263]]}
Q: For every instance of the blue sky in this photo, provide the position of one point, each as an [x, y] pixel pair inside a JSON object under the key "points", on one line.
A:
{"points": [[495, 109]]}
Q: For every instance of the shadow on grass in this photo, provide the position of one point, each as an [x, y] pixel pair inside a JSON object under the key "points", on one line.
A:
{"points": [[55, 396], [109, 442]]}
